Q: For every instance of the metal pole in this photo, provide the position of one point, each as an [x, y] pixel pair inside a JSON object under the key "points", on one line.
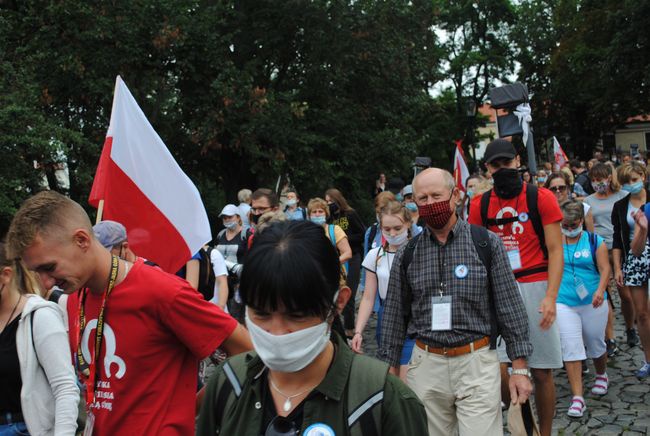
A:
{"points": [[532, 163]]}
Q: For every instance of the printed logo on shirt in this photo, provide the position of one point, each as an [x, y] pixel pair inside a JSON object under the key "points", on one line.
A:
{"points": [[343, 223], [103, 392], [517, 227]]}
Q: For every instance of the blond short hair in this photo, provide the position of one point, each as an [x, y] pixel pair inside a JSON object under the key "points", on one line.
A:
{"points": [[625, 171], [318, 203], [47, 213]]}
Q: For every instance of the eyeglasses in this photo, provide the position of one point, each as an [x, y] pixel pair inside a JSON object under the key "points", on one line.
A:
{"points": [[281, 426], [561, 188], [260, 210]]}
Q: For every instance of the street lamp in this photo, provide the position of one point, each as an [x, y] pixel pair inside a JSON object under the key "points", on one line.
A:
{"points": [[471, 118]]}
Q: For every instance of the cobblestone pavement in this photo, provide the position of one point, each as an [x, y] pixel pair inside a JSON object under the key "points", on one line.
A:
{"points": [[625, 410]]}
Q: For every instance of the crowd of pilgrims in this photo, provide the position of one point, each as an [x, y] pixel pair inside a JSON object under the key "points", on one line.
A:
{"points": [[605, 251]]}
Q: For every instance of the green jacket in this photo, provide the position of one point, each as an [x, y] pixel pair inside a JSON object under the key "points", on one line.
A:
{"points": [[402, 413]]}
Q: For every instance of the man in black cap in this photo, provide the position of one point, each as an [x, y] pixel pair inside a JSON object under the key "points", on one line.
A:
{"points": [[527, 219]]}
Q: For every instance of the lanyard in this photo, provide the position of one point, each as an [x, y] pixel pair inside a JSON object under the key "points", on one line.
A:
{"points": [[89, 370], [572, 255], [441, 263]]}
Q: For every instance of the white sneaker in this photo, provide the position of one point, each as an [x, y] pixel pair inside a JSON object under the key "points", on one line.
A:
{"points": [[600, 385], [577, 407]]}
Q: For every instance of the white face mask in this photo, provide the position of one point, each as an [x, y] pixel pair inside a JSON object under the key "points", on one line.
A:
{"points": [[396, 240], [292, 202], [291, 352], [572, 233], [230, 225]]}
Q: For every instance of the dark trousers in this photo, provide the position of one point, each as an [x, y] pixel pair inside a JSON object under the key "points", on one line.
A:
{"points": [[354, 273]]}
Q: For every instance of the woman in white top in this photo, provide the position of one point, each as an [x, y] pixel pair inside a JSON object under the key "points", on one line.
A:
{"points": [[38, 389], [395, 223]]}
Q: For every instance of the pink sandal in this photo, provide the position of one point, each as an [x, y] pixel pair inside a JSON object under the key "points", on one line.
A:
{"points": [[577, 407], [600, 384]]}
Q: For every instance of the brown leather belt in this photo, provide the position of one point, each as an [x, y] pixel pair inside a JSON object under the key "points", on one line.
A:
{"points": [[455, 351]]}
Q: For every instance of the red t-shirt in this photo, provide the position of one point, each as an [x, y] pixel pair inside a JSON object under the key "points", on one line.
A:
{"points": [[156, 330], [520, 238]]}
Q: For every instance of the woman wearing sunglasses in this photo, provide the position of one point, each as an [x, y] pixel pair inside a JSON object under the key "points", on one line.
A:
{"points": [[559, 184], [302, 378]]}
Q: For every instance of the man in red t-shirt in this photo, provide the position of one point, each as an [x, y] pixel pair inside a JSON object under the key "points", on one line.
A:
{"points": [[152, 327], [538, 273]]}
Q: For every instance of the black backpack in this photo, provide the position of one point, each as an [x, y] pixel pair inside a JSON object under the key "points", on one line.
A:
{"points": [[481, 240], [533, 215], [206, 273]]}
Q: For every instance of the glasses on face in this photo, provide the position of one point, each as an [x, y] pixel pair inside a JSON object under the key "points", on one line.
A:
{"points": [[281, 426], [556, 189], [571, 226], [260, 210]]}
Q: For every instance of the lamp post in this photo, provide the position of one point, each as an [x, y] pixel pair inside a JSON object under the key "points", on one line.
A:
{"points": [[471, 118]]}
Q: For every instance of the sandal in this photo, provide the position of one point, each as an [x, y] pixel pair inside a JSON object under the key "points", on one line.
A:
{"points": [[600, 385], [577, 407]]}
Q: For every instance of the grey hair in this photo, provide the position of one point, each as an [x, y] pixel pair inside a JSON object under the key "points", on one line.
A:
{"points": [[244, 196], [573, 210]]}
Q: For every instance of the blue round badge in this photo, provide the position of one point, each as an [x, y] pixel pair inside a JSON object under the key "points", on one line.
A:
{"points": [[461, 271], [319, 429], [523, 217]]}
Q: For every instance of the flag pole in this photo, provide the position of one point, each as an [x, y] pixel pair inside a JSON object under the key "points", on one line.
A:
{"points": [[100, 211]]}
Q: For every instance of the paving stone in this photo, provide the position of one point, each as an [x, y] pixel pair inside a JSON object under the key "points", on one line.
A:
{"points": [[609, 430]]}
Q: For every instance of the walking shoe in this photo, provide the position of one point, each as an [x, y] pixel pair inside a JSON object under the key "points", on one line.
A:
{"points": [[600, 384], [644, 371], [577, 407], [632, 337], [612, 347], [585, 368]]}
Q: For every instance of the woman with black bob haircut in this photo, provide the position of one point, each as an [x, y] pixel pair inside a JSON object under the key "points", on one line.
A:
{"points": [[302, 378]]}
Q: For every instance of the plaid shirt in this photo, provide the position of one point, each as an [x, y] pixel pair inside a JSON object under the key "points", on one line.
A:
{"points": [[434, 264]]}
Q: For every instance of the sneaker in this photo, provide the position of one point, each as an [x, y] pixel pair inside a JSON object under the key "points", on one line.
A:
{"points": [[612, 347], [644, 371], [577, 407], [600, 384], [632, 337], [585, 368]]}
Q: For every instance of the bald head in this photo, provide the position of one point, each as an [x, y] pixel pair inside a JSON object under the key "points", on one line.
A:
{"points": [[46, 214], [433, 176]]}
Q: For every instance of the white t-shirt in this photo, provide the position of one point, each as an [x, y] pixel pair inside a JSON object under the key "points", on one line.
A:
{"points": [[220, 269], [379, 262]]}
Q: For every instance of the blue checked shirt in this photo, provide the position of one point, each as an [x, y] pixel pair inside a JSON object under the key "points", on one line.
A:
{"points": [[434, 264]]}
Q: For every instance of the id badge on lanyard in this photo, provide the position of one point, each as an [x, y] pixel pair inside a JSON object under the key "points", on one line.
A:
{"points": [[441, 313]]}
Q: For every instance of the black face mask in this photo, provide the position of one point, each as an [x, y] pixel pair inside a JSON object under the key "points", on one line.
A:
{"points": [[255, 218], [334, 208], [507, 183]]}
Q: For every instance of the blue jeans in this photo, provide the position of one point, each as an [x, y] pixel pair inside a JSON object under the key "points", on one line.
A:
{"points": [[15, 429]]}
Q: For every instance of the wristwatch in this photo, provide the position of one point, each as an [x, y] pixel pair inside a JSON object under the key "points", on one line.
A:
{"points": [[521, 371]]}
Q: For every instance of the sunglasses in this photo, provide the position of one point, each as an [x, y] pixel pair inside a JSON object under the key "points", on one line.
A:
{"points": [[281, 426], [571, 226], [558, 188]]}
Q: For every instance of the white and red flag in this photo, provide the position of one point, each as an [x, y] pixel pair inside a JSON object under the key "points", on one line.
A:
{"points": [[143, 188], [461, 173], [560, 156]]}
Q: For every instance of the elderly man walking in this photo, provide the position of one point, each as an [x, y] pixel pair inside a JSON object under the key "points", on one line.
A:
{"points": [[452, 289]]}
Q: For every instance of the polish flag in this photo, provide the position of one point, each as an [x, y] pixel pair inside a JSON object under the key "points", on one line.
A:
{"points": [[144, 189], [560, 156], [461, 173]]}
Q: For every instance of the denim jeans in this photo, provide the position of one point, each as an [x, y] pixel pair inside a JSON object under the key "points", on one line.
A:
{"points": [[15, 429]]}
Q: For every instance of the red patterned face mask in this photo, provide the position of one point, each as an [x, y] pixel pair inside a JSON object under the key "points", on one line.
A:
{"points": [[437, 214]]}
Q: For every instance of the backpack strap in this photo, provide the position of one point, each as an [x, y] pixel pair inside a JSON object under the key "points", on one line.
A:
{"points": [[485, 204], [304, 213], [230, 386], [407, 258], [221, 233], [481, 240], [593, 246], [535, 218], [366, 395], [31, 324]]}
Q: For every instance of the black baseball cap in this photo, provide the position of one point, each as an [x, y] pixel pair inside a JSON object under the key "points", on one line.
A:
{"points": [[499, 149]]}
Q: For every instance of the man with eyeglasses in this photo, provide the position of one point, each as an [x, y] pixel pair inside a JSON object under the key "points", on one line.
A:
{"points": [[527, 219], [263, 200]]}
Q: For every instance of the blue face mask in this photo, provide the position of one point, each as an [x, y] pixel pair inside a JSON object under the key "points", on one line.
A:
{"points": [[634, 188], [399, 197], [470, 193], [411, 207], [320, 220]]}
